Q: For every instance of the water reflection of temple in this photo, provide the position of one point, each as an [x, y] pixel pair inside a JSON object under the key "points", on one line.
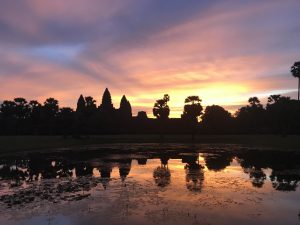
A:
{"points": [[284, 167], [105, 174], [105, 170], [124, 168]]}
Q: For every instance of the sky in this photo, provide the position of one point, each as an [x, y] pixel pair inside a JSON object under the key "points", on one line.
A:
{"points": [[222, 51]]}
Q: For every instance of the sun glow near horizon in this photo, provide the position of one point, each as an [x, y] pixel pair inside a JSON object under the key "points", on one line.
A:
{"points": [[217, 95]]}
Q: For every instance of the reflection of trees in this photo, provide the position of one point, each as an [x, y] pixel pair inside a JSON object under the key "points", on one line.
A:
{"points": [[284, 165], [60, 169], [142, 161], [285, 168], [13, 173], [218, 161], [252, 163], [285, 180], [44, 167], [194, 174], [162, 174], [257, 176], [83, 169]]}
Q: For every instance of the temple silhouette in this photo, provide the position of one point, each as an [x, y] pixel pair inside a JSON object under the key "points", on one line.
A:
{"points": [[119, 120], [18, 117]]}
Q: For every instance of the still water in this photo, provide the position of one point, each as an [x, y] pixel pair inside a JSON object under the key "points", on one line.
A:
{"points": [[150, 184]]}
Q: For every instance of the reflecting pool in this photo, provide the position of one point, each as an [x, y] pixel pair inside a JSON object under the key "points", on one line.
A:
{"points": [[150, 184]]}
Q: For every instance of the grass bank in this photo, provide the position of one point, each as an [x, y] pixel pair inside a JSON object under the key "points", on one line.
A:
{"points": [[27, 143]]}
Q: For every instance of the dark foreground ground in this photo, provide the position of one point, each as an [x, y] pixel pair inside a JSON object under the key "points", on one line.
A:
{"points": [[45, 143]]}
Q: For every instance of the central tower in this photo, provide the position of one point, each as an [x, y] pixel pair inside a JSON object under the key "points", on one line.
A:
{"points": [[106, 101]]}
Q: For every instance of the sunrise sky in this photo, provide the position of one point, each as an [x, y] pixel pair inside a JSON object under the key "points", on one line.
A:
{"points": [[223, 51]]}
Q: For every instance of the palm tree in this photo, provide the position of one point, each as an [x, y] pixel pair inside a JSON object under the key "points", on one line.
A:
{"points": [[192, 108], [90, 102], [161, 109], [22, 108], [51, 107], [254, 102], [295, 70]]}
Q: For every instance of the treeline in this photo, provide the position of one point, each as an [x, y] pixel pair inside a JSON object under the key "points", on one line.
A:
{"points": [[281, 115]]}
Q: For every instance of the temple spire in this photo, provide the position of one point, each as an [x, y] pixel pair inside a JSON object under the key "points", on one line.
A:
{"points": [[106, 100], [81, 104], [125, 108]]}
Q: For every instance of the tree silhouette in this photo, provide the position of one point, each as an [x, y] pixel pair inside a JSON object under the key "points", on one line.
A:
{"points": [[35, 113], [282, 114], [91, 106], [90, 102], [295, 70], [8, 116], [251, 118], [34, 105], [51, 107], [66, 120], [216, 119], [161, 109], [21, 108], [8, 108], [192, 108], [66, 112], [254, 102], [50, 112], [273, 99]]}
